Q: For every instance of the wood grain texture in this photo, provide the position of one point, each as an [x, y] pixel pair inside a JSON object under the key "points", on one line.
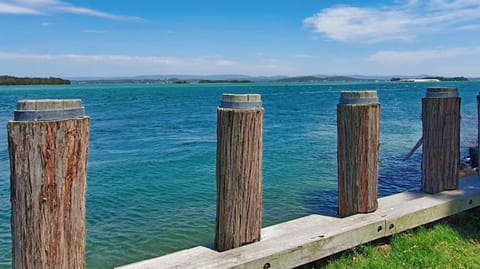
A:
{"points": [[478, 133], [48, 163], [358, 153], [441, 144], [239, 177]]}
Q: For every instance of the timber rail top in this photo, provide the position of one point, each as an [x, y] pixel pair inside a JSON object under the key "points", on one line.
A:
{"points": [[313, 237]]}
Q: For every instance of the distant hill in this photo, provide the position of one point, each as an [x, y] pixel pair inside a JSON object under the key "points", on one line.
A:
{"points": [[225, 81], [236, 78], [168, 78], [321, 79], [11, 80]]}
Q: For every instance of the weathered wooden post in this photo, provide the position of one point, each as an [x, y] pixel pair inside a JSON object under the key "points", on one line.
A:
{"points": [[477, 163], [358, 123], [441, 139], [48, 146], [239, 170]]}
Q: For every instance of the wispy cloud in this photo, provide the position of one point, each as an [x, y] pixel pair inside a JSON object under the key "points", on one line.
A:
{"points": [[47, 7], [89, 58], [470, 27], [94, 31], [402, 21], [106, 58], [273, 66], [7, 8], [94, 13], [223, 62], [113, 64], [304, 56], [416, 56]]}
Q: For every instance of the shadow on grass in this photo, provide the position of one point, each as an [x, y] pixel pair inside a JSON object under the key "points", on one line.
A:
{"points": [[467, 223]]}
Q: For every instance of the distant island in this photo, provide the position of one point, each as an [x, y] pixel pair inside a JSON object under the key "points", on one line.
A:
{"points": [[322, 79], [224, 81], [177, 81], [429, 79], [11, 80], [166, 81]]}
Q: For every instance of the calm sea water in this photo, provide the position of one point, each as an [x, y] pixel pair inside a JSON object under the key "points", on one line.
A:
{"points": [[151, 170]]}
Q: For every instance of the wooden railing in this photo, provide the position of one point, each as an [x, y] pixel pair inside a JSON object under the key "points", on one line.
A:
{"points": [[48, 148]]}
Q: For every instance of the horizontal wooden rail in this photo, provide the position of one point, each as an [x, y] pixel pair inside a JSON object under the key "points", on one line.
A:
{"points": [[314, 237]]}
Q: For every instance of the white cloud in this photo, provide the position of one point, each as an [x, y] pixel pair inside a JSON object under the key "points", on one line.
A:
{"points": [[85, 58], [94, 31], [304, 56], [398, 22], [223, 62], [76, 65], [449, 4], [352, 23], [37, 2], [273, 66], [47, 7], [94, 13], [451, 62], [7, 8], [470, 27], [417, 56], [109, 59]]}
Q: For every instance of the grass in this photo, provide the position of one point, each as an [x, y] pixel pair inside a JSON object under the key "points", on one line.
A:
{"points": [[450, 243]]}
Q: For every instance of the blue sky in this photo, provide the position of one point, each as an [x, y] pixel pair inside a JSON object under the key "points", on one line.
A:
{"points": [[262, 37]]}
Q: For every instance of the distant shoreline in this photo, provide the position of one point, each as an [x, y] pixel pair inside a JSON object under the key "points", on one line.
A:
{"points": [[11, 80], [191, 79], [219, 79]]}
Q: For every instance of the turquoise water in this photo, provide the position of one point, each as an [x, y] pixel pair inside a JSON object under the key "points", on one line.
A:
{"points": [[151, 171]]}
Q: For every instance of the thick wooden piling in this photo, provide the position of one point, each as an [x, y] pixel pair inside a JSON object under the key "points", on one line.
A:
{"points": [[48, 146], [239, 170], [358, 123], [441, 139], [477, 163]]}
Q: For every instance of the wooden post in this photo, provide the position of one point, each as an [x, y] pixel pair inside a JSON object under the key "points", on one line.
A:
{"points": [[358, 123], [478, 135], [441, 140], [239, 170], [48, 146]]}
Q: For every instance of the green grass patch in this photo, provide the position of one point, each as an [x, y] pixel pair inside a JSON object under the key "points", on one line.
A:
{"points": [[450, 243]]}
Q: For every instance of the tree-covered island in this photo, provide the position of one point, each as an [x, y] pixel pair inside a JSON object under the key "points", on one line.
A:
{"points": [[11, 80], [224, 81]]}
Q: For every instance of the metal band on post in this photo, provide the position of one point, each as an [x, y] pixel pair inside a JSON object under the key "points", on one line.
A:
{"points": [[358, 98], [44, 110], [241, 101], [441, 92]]}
